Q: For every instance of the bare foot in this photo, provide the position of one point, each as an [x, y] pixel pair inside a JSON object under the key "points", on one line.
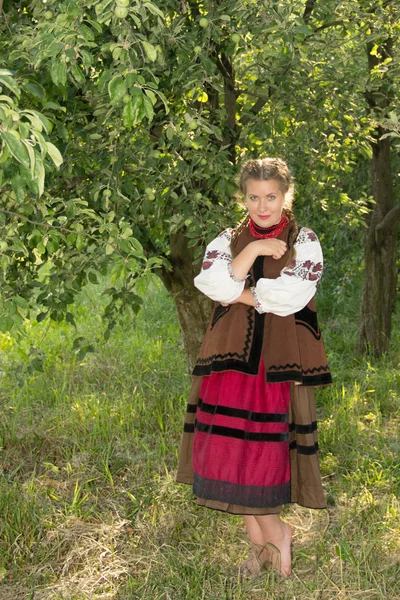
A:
{"points": [[277, 551], [286, 551], [251, 567]]}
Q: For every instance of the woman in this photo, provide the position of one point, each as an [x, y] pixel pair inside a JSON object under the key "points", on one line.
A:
{"points": [[250, 441]]}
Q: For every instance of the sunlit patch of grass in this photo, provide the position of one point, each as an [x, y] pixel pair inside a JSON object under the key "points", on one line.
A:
{"points": [[88, 458]]}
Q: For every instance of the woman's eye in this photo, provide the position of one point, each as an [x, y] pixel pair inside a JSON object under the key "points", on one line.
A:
{"points": [[271, 197]]}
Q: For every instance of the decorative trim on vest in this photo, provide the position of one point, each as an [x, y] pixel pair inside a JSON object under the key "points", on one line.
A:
{"points": [[239, 337]]}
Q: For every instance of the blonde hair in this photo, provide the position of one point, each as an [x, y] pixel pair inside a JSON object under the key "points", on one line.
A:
{"points": [[264, 169]]}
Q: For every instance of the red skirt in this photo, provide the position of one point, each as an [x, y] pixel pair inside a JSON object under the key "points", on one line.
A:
{"points": [[241, 440]]}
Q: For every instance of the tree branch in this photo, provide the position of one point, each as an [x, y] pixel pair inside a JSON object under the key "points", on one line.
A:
{"points": [[310, 4], [262, 101], [390, 221], [194, 9], [225, 67], [378, 97], [327, 25], [47, 225], [4, 16], [255, 109], [57, 227]]}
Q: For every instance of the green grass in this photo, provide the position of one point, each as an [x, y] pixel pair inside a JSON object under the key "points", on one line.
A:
{"points": [[88, 503]]}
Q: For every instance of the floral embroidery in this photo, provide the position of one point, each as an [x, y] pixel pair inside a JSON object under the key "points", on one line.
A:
{"points": [[304, 270], [232, 276], [207, 264], [258, 305], [305, 235], [227, 234], [211, 256]]}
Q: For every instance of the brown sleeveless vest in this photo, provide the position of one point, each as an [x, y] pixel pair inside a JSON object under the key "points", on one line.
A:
{"points": [[239, 337]]}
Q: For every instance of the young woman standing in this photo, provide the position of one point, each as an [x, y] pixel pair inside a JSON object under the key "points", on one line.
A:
{"points": [[250, 440]]}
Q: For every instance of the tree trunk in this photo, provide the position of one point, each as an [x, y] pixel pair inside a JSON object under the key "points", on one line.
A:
{"points": [[193, 308], [380, 278]]}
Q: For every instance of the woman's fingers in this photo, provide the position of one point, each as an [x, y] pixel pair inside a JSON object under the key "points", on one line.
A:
{"points": [[275, 248]]}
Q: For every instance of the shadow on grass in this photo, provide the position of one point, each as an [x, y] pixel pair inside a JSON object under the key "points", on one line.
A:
{"points": [[87, 490]]}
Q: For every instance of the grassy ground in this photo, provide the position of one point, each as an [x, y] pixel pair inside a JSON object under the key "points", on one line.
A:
{"points": [[88, 503]]}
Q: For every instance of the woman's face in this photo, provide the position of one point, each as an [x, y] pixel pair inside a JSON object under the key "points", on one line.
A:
{"points": [[264, 201]]}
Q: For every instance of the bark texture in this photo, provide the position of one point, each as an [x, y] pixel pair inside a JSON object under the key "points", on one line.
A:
{"points": [[193, 308], [380, 277]]}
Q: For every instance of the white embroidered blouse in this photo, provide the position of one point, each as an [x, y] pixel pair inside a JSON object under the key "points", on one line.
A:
{"points": [[289, 293]]}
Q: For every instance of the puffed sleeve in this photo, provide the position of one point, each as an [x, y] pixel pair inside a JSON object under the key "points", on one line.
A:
{"points": [[216, 279], [297, 282]]}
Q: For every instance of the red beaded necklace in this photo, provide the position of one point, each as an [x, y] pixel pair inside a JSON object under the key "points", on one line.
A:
{"points": [[268, 232]]}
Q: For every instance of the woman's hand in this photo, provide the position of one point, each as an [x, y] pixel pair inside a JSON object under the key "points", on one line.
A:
{"points": [[242, 263], [246, 297], [273, 247]]}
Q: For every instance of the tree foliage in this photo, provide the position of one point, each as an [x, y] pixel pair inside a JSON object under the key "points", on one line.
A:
{"points": [[152, 107]]}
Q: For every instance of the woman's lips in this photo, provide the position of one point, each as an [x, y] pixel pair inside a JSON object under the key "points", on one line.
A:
{"points": [[264, 216]]}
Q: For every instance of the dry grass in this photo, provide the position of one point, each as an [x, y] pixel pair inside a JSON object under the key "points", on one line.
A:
{"points": [[91, 509]]}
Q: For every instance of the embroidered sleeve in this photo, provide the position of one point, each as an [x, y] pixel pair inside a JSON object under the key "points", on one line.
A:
{"points": [[258, 305], [216, 279], [304, 270], [298, 281], [232, 275]]}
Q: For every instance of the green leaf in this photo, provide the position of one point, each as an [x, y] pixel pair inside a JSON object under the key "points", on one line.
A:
{"points": [[35, 122], [18, 185], [21, 302], [153, 9], [54, 106], [136, 245], [69, 317], [102, 80], [95, 25], [6, 79], [93, 277], [58, 72], [127, 115], [77, 73], [23, 130], [151, 95], [148, 107], [36, 364], [39, 174], [117, 89], [17, 148], [163, 99], [35, 89], [41, 316], [150, 50], [31, 153], [6, 323], [38, 120], [55, 154], [79, 242], [127, 233], [84, 350], [116, 53], [7, 99], [42, 143], [134, 110], [4, 156]]}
